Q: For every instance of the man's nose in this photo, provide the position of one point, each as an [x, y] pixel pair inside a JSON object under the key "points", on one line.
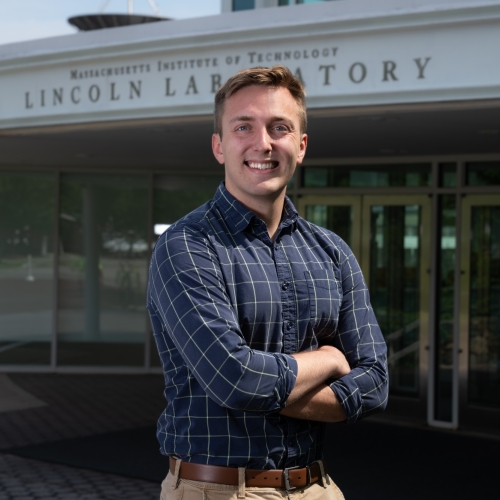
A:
{"points": [[263, 141]]}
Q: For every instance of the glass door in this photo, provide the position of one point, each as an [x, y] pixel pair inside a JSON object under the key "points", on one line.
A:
{"points": [[479, 358], [396, 262], [340, 214], [390, 236]]}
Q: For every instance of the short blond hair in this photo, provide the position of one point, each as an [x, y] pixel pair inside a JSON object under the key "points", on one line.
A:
{"points": [[277, 76]]}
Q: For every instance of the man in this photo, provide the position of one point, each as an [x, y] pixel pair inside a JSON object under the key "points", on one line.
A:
{"points": [[262, 320]]}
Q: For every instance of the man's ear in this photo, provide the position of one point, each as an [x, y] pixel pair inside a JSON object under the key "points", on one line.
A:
{"points": [[302, 149], [217, 148]]}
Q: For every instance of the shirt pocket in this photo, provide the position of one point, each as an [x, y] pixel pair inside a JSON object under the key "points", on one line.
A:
{"points": [[324, 301]]}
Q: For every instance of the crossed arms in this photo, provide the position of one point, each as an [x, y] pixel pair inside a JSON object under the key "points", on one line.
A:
{"points": [[311, 398], [188, 296]]}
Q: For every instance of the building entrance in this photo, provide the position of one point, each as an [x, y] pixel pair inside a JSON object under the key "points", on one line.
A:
{"points": [[390, 236], [432, 265], [74, 249]]}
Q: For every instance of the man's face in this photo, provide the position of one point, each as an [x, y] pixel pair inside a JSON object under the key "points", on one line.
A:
{"points": [[261, 142]]}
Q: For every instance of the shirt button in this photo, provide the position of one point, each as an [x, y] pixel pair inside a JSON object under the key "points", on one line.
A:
{"points": [[289, 325], [284, 286]]}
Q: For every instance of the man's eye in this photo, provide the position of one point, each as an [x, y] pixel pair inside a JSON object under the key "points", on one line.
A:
{"points": [[281, 128], [242, 127]]}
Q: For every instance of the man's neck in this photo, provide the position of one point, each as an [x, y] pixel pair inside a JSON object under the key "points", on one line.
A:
{"points": [[270, 212]]}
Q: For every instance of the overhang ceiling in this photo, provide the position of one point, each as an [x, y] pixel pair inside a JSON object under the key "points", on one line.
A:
{"points": [[333, 134]]}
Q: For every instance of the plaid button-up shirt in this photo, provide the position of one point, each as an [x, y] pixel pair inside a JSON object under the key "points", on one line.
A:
{"points": [[228, 308]]}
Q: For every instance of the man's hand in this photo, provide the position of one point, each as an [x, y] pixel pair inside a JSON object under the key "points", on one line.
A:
{"points": [[340, 361], [315, 368]]}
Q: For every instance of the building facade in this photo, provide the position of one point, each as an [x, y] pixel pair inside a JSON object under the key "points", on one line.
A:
{"points": [[237, 5], [105, 139]]}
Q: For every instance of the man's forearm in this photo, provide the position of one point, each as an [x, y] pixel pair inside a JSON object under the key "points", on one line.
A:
{"points": [[320, 404], [314, 368]]}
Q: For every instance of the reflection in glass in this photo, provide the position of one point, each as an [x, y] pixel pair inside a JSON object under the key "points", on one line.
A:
{"points": [[417, 175], [448, 175], [395, 289], [484, 348], [27, 210], [334, 218], [102, 270], [483, 174], [445, 310], [173, 198], [176, 196]]}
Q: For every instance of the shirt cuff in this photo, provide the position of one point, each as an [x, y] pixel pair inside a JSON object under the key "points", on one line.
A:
{"points": [[287, 375], [349, 396]]}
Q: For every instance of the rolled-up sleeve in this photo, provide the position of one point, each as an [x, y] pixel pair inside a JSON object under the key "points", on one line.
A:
{"points": [[187, 295], [364, 390]]}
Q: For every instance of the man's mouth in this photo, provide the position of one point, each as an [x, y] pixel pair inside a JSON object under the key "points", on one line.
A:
{"points": [[263, 165]]}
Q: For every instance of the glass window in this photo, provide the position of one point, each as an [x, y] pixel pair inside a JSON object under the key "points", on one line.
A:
{"points": [[448, 175], [27, 214], [483, 174], [484, 347], [418, 175], [243, 4], [173, 197], [176, 195], [103, 270]]}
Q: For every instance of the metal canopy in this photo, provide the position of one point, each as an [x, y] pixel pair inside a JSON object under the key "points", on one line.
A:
{"points": [[90, 22]]}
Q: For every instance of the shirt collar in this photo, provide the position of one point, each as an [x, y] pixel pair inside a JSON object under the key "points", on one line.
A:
{"points": [[239, 217]]}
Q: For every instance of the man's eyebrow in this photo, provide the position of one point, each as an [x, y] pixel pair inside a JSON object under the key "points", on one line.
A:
{"points": [[246, 118], [242, 119], [283, 119]]}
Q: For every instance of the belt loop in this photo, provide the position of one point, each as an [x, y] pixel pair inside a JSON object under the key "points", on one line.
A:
{"points": [[178, 463], [325, 480], [241, 482]]}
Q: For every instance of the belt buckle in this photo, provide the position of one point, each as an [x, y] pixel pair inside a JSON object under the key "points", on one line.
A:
{"points": [[322, 472], [286, 475]]}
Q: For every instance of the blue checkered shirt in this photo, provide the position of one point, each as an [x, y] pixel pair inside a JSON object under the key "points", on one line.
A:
{"points": [[228, 308]]}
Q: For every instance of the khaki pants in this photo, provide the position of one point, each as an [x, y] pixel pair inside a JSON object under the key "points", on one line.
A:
{"points": [[184, 489]]}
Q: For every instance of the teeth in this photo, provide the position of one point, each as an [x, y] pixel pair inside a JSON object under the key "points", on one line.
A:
{"points": [[261, 166]]}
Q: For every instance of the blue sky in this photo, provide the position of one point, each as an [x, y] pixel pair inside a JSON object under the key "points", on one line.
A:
{"points": [[30, 19]]}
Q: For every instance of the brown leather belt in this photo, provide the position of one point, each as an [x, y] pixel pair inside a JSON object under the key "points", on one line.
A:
{"points": [[288, 479]]}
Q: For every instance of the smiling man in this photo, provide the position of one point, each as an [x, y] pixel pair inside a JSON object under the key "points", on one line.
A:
{"points": [[262, 320]]}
